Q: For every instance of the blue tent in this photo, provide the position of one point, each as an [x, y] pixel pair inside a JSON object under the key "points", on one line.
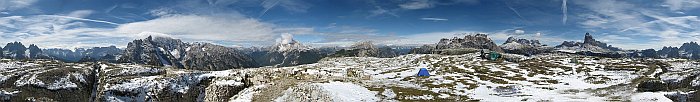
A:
{"points": [[423, 72]]}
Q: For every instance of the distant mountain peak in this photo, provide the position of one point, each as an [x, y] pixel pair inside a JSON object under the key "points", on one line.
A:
{"points": [[535, 43], [524, 46], [363, 45], [287, 43], [477, 41], [589, 44]]}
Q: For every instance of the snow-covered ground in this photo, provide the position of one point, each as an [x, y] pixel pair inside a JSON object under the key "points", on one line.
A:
{"points": [[649, 97], [348, 92], [549, 77], [467, 77], [43, 78], [126, 82]]}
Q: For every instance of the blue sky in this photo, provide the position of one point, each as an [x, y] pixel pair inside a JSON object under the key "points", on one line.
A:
{"points": [[633, 24]]}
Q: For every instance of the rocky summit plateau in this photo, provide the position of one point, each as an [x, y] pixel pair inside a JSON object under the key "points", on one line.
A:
{"points": [[349, 51]]}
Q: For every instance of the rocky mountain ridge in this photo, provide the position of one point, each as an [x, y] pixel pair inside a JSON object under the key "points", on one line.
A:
{"points": [[366, 49], [286, 52], [109, 54], [589, 45], [456, 46], [524, 46], [689, 50], [17, 50], [165, 51], [477, 41]]}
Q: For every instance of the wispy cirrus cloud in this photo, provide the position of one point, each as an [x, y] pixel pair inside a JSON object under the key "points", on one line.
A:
{"points": [[57, 31], [417, 4], [379, 10], [214, 27], [629, 20], [289, 5], [564, 12], [426, 4], [433, 19], [7, 5], [675, 5], [189, 20]]}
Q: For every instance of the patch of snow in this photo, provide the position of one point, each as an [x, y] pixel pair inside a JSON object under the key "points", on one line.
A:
{"points": [[420, 97], [247, 94], [444, 96], [63, 83], [79, 77], [348, 92], [228, 83], [6, 95], [134, 70], [649, 97], [29, 79], [175, 53], [388, 93], [511, 46]]}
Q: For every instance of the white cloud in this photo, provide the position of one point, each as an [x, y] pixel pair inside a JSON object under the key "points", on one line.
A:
{"points": [[425, 38], [564, 11], [285, 38], [341, 35], [381, 11], [433, 19], [649, 27], [296, 30], [161, 12], [675, 5], [70, 18], [519, 31], [65, 30], [545, 38], [57, 31], [54, 31], [426, 4], [222, 27], [80, 13], [417, 4], [609, 38], [147, 34], [8, 5], [290, 5]]}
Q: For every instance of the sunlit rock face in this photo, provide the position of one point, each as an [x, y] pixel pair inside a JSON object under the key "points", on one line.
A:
{"points": [[477, 41]]}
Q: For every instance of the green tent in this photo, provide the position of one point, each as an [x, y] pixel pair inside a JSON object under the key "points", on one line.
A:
{"points": [[494, 55]]}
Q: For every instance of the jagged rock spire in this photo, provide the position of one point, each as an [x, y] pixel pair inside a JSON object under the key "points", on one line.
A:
{"points": [[588, 39]]}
